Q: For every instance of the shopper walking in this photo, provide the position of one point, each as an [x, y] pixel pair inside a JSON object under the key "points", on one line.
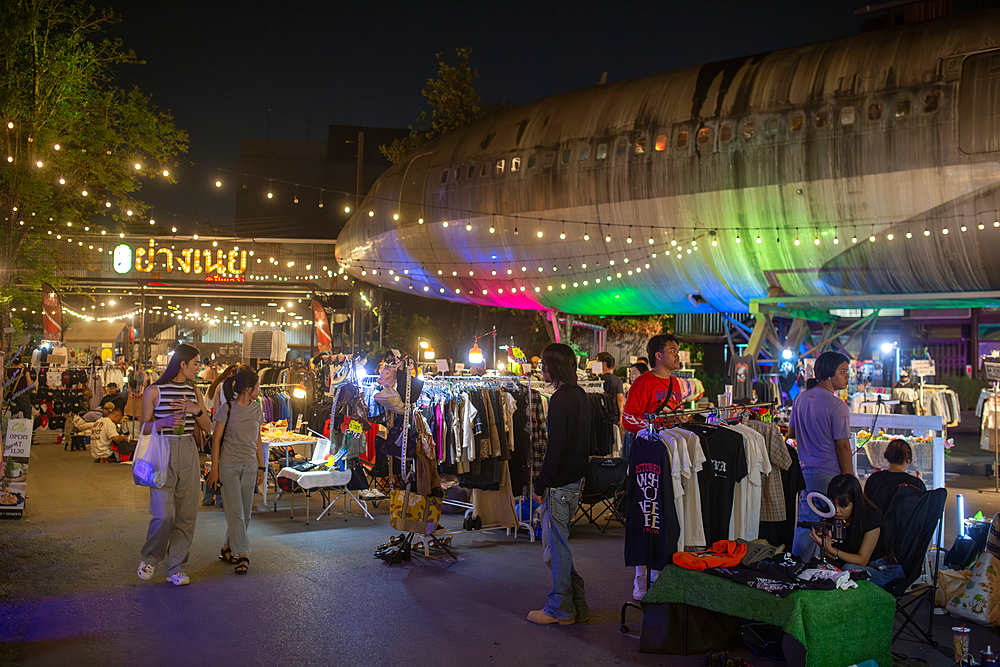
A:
{"points": [[173, 405], [820, 425], [558, 482], [238, 460]]}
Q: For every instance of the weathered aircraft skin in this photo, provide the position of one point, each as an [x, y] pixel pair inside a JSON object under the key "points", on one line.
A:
{"points": [[730, 181]]}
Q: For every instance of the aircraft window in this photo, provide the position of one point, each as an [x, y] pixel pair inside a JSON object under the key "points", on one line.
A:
{"points": [[771, 127], [515, 163], [471, 172], [602, 151], [726, 133], [458, 173], [822, 119], [902, 108], [621, 148], [749, 130], [847, 116], [682, 139], [550, 159], [661, 143], [531, 161], [444, 176], [500, 165], [931, 101], [875, 111], [640, 145], [704, 136], [584, 153], [797, 121], [482, 171], [566, 154]]}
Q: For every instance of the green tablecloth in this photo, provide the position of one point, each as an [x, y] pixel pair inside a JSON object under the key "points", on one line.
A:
{"points": [[837, 628]]}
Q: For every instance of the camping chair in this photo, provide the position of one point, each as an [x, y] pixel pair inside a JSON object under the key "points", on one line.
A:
{"points": [[603, 489], [912, 520]]}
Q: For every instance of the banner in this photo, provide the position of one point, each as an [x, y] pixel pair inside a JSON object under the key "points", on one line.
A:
{"points": [[13, 483], [51, 314], [323, 339]]}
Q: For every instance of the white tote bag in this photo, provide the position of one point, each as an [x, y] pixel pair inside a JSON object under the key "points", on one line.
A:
{"points": [[152, 457], [979, 601]]}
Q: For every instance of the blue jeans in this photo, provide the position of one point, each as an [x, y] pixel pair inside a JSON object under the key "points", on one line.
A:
{"points": [[566, 599], [802, 544], [880, 574]]}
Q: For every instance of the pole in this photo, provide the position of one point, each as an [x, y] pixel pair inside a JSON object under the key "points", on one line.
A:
{"points": [[495, 367], [142, 334], [354, 317], [361, 167]]}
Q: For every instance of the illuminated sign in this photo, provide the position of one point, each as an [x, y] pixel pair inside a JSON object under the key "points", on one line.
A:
{"points": [[123, 258], [218, 265], [216, 278]]}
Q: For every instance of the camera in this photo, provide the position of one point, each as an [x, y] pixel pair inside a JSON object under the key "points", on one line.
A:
{"points": [[835, 527]]}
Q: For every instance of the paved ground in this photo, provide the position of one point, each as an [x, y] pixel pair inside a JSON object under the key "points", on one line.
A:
{"points": [[315, 595]]}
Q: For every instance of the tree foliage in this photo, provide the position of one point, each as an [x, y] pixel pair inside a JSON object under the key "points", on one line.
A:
{"points": [[454, 102], [68, 130]]}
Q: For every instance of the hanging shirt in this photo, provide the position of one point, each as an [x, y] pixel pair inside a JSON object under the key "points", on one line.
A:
{"points": [[727, 456], [693, 521], [742, 373], [651, 527], [747, 497], [680, 466]]}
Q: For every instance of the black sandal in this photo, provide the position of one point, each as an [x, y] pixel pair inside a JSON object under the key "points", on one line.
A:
{"points": [[242, 565], [226, 555]]}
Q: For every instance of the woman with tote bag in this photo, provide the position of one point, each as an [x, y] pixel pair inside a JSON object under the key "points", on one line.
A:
{"points": [[240, 463], [172, 406]]}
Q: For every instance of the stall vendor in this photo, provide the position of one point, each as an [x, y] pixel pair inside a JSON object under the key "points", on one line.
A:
{"points": [[106, 434]]}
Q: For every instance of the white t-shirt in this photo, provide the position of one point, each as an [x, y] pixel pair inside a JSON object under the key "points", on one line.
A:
{"points": [[680, 466], [100, 439], [745, 521], [694, 523]]}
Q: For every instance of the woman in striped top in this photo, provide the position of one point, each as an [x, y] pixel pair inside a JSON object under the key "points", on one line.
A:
{"points": [[169, 403]]}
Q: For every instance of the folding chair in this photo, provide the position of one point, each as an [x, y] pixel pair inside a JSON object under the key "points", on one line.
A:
{"points": [[911, 522], [603, 489]]}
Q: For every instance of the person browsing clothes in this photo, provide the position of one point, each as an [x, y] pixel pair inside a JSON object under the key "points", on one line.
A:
{"points": [[557, 486], [820, 425]]}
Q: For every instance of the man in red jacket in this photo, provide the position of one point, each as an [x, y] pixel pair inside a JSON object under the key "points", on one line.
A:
{"points": [[657, 390]]}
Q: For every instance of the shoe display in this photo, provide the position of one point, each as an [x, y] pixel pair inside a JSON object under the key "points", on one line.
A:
{"points": [[145, 571], [179, 579], [539, 617]]}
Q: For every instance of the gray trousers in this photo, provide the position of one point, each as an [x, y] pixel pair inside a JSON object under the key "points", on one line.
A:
{"points": [[238, 482], [174, 508]]}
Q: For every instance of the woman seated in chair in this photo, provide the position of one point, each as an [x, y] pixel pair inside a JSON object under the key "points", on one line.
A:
{"points": [[881, 486], [863, 524]]}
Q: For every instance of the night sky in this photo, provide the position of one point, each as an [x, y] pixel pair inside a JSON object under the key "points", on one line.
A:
{"points": [[219, 66]]}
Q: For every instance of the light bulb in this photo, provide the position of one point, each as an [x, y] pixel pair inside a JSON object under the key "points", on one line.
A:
{"points": [[395, 216], [138, 166], [586, 236], [218, 184], [758, 240], [607, 239], [492, 229], [738, 239], [909, 235], [468, 227], [539, 233], [444, 224], [628, 239], [889, 237], [871, 239], [562, 236], [927, 232], [797, 241], [944, 230], [816, 241]]}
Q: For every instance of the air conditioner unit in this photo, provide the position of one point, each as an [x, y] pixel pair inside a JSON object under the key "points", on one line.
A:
{"points": [[269, 344]]}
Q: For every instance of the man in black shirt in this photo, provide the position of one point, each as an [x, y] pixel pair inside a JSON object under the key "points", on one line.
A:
{"points": [[612, 385], [114, 397], [558, 483]]}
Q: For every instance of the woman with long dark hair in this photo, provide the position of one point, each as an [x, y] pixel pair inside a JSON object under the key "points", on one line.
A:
{"points": [[559, 481], [240, 464], [172, 406]]}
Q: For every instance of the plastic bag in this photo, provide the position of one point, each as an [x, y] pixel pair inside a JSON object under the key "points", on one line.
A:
{"points": [[152, 457]]}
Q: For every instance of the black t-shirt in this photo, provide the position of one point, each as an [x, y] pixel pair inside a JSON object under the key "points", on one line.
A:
{"points": [[727, 458], [613, 385], [853, 539], [568, 448], [651, 526], [881, 487], [742, 373]]}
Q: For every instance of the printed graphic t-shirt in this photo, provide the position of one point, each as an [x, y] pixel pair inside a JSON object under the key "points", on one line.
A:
{"points": [[727, 465], [742, 373], [651, 526]]}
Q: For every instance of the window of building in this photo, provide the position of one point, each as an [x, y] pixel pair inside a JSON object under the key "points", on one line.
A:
{"points": [[875, 111], [500, 166], [458, 173], [482, 170], [847, 116], [749, 130], [549, 160], [902, 107], [661, 143], [726, 133], [704, 136], [531, 161], [822, 119], [640, 145], [471, 172], [584, 153], [682, 139], [444, 176], [515, 164], [566, 154], [796, 123], [771, 127], [602, 151], [931, 102]]}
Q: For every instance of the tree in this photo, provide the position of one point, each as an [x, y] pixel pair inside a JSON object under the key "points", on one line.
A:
{"points": [[74, 147], [454, 103]]}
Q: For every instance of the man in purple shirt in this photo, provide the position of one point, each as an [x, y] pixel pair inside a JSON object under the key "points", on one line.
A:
{"points": [[820, 425]]}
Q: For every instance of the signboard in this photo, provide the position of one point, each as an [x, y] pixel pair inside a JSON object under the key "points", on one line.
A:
{"points": [[923, 367], [216, 264], [991, 370], [685, 356], [442, 365], [13, 483]]}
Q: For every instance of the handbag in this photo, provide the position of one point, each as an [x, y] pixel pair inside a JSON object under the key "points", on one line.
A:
{"points": [[152, 458], [414, 513]]}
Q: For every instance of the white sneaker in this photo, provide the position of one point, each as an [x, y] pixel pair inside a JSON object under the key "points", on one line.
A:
{"points": [[145, 571], [179, 579], [639, 589]]}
